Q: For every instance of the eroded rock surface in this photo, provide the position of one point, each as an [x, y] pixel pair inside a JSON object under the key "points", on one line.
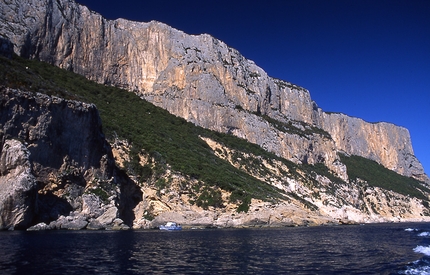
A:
{"points": [[202, 80], [17, 186], [55, 164], [58, 172]]}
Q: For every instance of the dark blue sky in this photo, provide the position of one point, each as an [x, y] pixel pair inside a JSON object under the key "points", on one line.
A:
{"points": [[365, 58]]}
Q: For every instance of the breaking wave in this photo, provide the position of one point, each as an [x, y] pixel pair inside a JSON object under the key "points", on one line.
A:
{"points": [[421, 266], [423, 250]]}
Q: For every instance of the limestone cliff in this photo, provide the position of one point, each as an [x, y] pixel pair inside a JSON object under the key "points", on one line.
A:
{"points": [[383, 142], [56, 168], [78, 186], [202, 80], [18, 186], [55, 163]]}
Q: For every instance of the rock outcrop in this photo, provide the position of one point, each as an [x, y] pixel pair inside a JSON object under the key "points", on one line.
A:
{"points": [[386, 143], [55, 165], [57, 171], [202, 80], [79, 194], [18, 186]]}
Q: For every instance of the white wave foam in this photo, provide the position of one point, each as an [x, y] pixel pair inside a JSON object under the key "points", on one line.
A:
{"points": [[422, 270], [424, 234], [417, 268], [423, 250], [411, 229]]}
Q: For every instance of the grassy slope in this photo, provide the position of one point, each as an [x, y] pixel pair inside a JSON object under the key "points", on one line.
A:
{"points": [[174, 140], [379, 176], [149, 128]]}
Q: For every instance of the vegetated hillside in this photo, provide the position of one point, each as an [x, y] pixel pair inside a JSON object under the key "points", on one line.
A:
{"points": [[237, 166], [148, 128], [379, 176], [201, 79]]}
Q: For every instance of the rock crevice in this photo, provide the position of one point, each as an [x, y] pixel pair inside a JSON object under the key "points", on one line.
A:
{"points": [[55, 162], [200, 79]]}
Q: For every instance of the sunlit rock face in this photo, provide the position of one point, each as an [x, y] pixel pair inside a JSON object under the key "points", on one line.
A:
{"points": [[386, 143], [17, 185], [202, 80]]}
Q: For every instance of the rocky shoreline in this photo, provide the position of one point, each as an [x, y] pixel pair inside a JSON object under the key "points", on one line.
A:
{"points": [[58, 170]]}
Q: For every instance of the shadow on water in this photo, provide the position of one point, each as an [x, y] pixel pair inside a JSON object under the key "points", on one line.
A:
{"points": [[370, 249]]}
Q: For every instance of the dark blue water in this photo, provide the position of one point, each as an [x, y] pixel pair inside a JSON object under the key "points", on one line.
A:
{"points": [[365, 249]]}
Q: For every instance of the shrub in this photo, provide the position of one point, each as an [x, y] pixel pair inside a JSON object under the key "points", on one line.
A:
{"points": [[378, 176]]}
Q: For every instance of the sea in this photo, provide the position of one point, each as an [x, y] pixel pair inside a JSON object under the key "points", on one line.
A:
{"points": [[396, 248]]}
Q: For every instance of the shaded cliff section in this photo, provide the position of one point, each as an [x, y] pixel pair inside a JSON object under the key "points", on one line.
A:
{"points": [[202, 80], [56, 168]]}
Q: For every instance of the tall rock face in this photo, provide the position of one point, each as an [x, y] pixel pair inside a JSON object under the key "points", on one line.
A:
{"points": [[57, 131], [386, 143], [55, 165], [18, 186], [202, 80]]}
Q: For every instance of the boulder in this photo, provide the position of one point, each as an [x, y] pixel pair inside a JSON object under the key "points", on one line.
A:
{"points": [[70, 223], [17, 186], [119, 224], [95, 225], [92, 206], [39, 227], [108, 216]]}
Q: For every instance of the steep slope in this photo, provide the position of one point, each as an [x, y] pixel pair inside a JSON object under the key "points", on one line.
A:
{"points": [[177, 171], [202, 80], [67, 192], [55, 163], [309, 173]]}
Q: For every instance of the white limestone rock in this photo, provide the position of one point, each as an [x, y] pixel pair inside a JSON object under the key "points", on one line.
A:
{"points": [[17, 186], [201, 79]]}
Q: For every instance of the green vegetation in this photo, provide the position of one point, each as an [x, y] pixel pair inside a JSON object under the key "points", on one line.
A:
{"points": [[142, 173], [243, 197], [284, 84], [148, 128], [291, 128], [99, 192], [170, 140], [378, 176], [305, 203], [254, 74], [101, 189], [321, 169], [205, 196]]}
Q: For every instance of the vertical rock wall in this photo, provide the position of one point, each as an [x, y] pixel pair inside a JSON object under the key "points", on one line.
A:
{"points": [[55, 162], [17, 185], [386, 143], [199, 78]]}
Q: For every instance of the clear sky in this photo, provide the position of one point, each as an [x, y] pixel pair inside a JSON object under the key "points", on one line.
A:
{"points": [[365, 58]]}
